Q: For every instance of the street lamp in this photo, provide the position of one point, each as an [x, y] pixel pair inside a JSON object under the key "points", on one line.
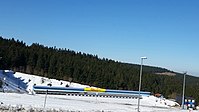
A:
{"points": [[140, 82], [183, 90]]}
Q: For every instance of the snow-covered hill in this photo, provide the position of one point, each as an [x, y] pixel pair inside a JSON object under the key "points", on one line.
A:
{"points": [[22, 83]]}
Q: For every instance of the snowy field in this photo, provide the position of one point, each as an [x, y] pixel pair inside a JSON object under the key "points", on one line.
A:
{"points": [[36, 102], [82, 103]]}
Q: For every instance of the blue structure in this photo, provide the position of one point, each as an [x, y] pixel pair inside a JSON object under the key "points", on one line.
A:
{"points": [[39, 89], [12, 83], [190, 103]]}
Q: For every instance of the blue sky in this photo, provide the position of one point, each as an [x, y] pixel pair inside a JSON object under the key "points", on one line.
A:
{"points": [[166, 31]]}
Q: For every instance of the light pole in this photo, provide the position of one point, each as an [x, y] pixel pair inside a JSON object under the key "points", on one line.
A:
{"points": [[183, 89], [140, 82]]}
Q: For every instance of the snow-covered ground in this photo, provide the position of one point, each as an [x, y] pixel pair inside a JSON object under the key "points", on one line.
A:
{"points": [[82, 103], [75, 103], [43, 81]]}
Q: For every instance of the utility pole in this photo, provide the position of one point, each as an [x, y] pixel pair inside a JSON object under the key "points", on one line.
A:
{"points": [[183, 89], [140, 82]]}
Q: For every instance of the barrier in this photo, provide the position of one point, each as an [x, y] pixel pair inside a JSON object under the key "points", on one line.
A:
{"points": [[89, 91]]}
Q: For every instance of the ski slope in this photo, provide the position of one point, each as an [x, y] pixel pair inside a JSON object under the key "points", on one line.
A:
{"points": [[73, 103]]}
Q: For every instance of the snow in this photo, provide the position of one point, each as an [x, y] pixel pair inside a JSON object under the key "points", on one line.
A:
{"points": [[82, 103], [77, 103], [43, 81]]}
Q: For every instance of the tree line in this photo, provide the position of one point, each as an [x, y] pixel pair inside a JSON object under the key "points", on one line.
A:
{"points": [[65, 64]]}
